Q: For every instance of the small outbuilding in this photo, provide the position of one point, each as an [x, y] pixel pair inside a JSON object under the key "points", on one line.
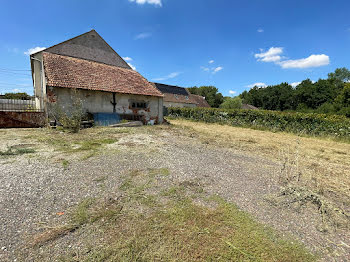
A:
{"points": [[175, 96]]}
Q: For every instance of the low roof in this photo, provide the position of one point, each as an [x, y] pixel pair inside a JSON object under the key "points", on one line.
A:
{"points": [[200, 100], [69, 72], [175, 94], [171, 89]]}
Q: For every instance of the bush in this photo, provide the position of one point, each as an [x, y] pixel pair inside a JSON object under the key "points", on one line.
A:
{"points": [[299, 123], [69, 118]]}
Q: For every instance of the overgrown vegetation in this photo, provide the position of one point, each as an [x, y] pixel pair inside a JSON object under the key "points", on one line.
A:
{"points": [[298, 123], [171, 228], [71, 118]]}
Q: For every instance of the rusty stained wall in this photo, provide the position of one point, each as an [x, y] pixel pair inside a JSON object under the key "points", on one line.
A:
{"points": [[22, 119]]}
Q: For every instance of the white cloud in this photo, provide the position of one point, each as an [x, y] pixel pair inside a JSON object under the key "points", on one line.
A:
{"points": [[128, 59], [16, 90], [154, 2], [217, 69], [34, 50], [143, 36], [232, 92], [206, 69], [272, 55], [211, 61], [132, 67], [170, 76], [259, 84], [260, 30], [311, 61], [295, 84]]}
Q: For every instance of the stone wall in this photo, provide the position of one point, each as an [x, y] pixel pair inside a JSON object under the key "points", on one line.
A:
{"points": [[101, 102]]}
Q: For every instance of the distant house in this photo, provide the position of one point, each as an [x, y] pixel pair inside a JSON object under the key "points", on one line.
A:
{"points": [[88, 68], [175, 96]]}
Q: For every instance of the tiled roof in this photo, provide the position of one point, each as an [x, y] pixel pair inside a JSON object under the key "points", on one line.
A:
{"points": [[175, 94], [174, 98], [171, 89], [69, 72], [200, 100]]}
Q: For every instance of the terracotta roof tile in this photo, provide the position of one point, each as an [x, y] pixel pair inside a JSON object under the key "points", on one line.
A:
{"points": [[69, 72], [200, 100], [174, 98]]}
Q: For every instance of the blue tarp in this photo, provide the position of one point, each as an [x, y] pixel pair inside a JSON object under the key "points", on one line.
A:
{"points": [[106, 119]]}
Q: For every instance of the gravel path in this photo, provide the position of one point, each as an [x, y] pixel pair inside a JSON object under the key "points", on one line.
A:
{"points": [[34, 190]]}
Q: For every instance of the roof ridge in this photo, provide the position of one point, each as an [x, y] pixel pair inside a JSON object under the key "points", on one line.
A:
{"points": [[91, 61]]}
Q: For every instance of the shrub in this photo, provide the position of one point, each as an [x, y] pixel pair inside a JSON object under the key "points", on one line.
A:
{"points": [[69, 118], [300, 123]]}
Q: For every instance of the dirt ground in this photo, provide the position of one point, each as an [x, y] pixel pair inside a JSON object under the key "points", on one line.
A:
{"points": [[45, 173]]}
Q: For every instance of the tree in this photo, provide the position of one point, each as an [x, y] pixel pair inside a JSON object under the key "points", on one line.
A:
{"points": [[232, 103], [22, 96], [343, 99], [211, 94], [305, 94], [341, 74], [278, 97]]}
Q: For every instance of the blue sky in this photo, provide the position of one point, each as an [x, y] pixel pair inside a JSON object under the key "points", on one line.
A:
{"points": [[231, 44]]}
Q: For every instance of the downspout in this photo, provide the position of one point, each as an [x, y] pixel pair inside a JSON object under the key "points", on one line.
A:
{"points": [[114, 103]]}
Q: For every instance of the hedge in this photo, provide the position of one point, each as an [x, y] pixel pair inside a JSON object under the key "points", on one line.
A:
{"points": [[293, 122]]}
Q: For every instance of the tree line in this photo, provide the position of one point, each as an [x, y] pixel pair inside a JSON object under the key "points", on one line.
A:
{"points": [[328, 96]]}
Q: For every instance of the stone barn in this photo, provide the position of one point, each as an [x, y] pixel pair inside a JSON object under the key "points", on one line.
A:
{"points": [[88, 69]]}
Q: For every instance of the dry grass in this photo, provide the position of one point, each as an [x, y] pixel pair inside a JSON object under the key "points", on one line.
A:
{"points": [[175, 229], [323, 163]]}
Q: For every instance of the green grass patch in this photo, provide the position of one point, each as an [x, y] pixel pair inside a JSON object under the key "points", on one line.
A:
{"points": [[170, 227], [65, 163], [11, 151], [184, 231]]}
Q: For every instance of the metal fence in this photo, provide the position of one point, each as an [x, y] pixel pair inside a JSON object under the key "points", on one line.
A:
{"points": [[21, 105]]}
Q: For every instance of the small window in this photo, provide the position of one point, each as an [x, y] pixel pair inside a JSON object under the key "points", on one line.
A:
{"points": [[186, 97], [140, 105], [176, 96]]}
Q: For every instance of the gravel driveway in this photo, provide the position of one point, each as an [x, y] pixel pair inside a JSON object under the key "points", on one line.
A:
{"points": [[35, 188]]}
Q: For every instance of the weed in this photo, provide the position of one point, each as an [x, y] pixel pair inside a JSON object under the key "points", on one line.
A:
{"points": [[65, 163], [88, 211], [158, 171], [12, 151]]}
